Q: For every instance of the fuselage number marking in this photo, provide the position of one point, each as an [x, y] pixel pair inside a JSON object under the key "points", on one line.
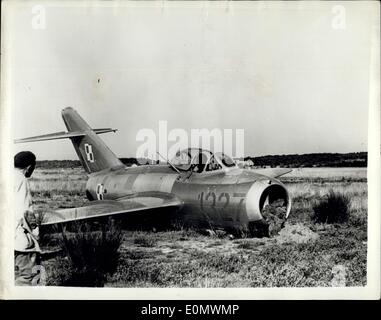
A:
{"points": [[89, 152], [220, 204], [211, 196], [100, 191]]}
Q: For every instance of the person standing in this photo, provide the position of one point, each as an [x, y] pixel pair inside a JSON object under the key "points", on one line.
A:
{"points": [[27, 249]]}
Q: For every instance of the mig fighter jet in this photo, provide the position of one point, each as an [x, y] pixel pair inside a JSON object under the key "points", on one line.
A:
{"points": [[196, 188]]}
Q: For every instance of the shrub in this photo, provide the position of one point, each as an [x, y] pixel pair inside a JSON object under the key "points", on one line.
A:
{"points": [[93, 255], [335, 208]]}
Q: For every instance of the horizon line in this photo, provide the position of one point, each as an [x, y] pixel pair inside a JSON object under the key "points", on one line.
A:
{"points": [[248, 156]]}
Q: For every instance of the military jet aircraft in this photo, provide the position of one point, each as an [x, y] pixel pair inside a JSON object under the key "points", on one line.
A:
{"points": [[198, 188]]}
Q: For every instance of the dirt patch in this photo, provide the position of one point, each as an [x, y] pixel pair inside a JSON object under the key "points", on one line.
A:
{"points": [[297, 233]]}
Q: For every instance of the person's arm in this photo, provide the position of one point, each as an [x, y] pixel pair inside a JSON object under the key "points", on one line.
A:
{"points": [[29, 221]]}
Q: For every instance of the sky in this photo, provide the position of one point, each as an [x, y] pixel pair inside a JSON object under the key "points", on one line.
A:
{"points": [[293, 75]]}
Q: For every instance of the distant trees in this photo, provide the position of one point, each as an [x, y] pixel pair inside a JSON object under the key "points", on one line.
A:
{"points": [[129, 161], [354, 159], [53, 164]]}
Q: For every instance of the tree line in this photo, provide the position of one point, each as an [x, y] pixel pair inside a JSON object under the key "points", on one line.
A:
{"points": [[354, 159]]}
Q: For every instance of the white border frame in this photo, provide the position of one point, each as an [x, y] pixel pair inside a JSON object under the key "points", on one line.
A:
{"points": [[370, 291]]}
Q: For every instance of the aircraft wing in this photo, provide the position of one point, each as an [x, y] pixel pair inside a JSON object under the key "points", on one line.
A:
{"points": [[102, 208], [273, 172]]}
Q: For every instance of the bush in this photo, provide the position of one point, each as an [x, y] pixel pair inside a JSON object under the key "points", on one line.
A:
{"points": [[335, 208], [93, 255]]}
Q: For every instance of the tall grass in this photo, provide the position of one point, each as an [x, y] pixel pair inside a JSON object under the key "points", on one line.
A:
{"points": [[93, 255], [306, 194], [58, 180], [334, 208], [328, 173]]}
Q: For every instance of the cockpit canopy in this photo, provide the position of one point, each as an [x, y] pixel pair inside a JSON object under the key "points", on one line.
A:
{"points": [[199, 160]]}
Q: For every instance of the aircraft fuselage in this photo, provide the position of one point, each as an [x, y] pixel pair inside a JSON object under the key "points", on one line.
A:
{"points": [[229, 198]]}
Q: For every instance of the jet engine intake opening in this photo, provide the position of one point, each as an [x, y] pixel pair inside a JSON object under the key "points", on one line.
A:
{"points": [[275, 196]]}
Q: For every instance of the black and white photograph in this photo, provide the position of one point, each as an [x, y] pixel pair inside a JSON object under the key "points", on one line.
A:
{"points": [[190, 144]]}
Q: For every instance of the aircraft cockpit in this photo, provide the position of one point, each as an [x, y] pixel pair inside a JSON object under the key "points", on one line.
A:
{"points": [[199, 160]]}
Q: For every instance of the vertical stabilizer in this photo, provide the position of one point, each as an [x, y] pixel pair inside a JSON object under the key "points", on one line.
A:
{"points": [[91, 150]]}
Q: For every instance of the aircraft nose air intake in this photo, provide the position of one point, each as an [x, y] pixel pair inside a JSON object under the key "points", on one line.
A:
{"points": [[265, 194]]}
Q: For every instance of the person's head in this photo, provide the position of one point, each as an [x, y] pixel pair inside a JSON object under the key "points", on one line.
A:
{"points": [[26, 161]]}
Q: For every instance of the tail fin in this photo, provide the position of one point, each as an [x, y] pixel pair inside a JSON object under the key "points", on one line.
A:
{"points": [[91, 150]]}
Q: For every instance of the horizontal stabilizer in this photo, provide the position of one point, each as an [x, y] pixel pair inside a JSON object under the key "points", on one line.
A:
{"points": [[52, 136], [63, 135], [104, 208], [104, 130], [273, 172]]}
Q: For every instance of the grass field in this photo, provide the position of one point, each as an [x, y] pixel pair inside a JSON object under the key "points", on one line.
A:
{"points": [[304, 254]]}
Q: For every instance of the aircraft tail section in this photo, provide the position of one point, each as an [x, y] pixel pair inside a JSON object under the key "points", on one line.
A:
{"points": [[91, 150]]}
